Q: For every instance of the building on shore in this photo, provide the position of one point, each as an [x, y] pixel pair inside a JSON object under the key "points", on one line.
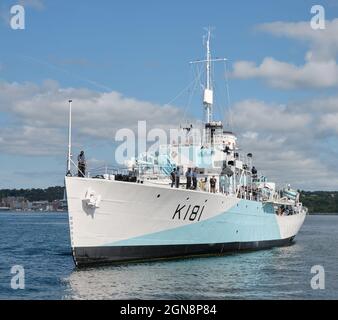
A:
{"points": [[22, 204]]}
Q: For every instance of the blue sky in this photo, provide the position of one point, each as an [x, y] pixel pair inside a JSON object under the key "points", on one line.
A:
{"points": [[141, 50]]}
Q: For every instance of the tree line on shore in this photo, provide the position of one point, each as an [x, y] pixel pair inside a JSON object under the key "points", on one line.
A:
{"points": [[320, 201], [49, 194], [315, 201]]}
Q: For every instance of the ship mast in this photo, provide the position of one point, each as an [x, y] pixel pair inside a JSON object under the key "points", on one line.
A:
{"points": [[208, 95], [69, 157], [208, 91]]}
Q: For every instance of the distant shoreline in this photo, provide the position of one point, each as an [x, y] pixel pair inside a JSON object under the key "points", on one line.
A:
{"points": [[318, 202], [30, 211]]}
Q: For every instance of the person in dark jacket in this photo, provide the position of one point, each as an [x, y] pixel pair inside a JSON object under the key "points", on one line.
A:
{"points": [[177, 178], [188, 176], [173, 177], [81, 165], [254, 173], [213, 182], [194, 179]]}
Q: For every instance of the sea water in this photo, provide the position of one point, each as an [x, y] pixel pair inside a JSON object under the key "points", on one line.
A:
{"points": [[40, 244]]}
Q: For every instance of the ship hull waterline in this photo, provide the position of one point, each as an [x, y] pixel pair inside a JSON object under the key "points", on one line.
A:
{"points": [[137, 222], [86, 257]]}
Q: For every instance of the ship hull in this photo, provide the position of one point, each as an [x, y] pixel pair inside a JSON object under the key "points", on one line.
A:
{"points": [[133, 222], [106, 255]]}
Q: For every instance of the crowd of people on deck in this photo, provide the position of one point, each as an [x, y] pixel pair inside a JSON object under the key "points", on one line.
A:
{"points": [[192, 181], [191, 177], [284, 211]]}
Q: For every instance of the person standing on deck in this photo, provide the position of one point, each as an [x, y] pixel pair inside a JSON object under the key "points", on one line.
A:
{"points": [[81, 165], [173, 177], [222, 183], [254, 173], [188, 176], [213, 182], [194, 179], [177, 178]]}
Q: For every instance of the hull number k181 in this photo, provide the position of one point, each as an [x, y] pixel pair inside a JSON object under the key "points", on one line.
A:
{"points": [[191, 213]]}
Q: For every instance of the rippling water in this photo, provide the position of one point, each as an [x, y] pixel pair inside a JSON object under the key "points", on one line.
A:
{"points": [[40, 243]]}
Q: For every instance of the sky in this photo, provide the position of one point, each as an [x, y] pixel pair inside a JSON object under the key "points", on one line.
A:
{"points": [[126, 61]]}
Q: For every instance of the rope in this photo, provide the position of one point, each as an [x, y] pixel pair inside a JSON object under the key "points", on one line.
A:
{"points": [[230, 121], [180, 94], [197, 78]]}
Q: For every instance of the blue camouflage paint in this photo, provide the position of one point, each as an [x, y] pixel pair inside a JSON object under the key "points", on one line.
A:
{"points": [[248, 221]]}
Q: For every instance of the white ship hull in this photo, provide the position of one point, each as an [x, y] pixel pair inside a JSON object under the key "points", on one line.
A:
{"points": [[112, 221]]}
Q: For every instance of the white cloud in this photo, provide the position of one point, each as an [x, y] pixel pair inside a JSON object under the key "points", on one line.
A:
{"points": [[329, 122], [39, 116], [323, 43], [320, 69], [313, 74], [253, 115], [32, 141], [290, 143]]}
